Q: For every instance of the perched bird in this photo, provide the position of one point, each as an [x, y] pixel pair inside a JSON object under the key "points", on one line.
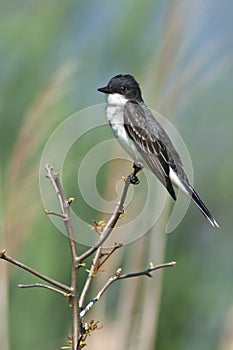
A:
{"points": [[145, 139]]}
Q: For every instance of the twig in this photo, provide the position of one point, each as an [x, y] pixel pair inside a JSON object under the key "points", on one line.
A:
{"points": [[51, 212], [34, 272], [95, 266], [65, 209], [116, 246], [147, 272], [118, 276], [77, 261], [44, 286], [90, 277], [131, 179]]}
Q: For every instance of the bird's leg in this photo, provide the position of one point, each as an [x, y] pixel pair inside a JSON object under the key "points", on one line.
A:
{"points": [[137, 167]]}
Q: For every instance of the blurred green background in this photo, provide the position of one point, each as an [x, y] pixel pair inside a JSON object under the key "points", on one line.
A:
{"points": [[54, 55]]}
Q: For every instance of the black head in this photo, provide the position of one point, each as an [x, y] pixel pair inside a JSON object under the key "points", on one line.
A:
{"points": [[125, 85]]}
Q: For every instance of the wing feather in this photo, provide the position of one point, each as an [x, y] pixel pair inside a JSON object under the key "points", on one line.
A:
{"points": [[146, 134], [158, 152]]}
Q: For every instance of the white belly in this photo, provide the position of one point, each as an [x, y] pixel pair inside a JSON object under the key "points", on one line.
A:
{"points": [[115, 115]]}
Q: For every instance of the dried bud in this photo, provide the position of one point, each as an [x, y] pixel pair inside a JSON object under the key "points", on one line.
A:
{"points": [[122, 214], [118, 271], [98, 226], [2, 252], [70, 200]]}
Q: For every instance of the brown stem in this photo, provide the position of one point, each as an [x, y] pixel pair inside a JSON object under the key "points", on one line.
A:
{"points": [[105, 233], [113, 219], [118, 276], [34, 272], [65, 209], [51, 212], [116, 246], [90, 277], [40, 285]]}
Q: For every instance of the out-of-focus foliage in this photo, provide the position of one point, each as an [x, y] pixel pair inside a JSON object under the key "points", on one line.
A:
{"points": [[54, 54]]}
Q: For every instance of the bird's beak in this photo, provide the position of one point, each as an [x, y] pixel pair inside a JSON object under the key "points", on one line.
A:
{"points": [[105, 90]]}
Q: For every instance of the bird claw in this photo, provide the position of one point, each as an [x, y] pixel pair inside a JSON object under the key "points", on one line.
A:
{"points": [[137, 165], [134, 179]]}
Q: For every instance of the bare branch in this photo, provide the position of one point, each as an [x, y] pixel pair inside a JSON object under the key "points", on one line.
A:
{"points": [[44, 286], [116, 246], [51, 212], [90, 276], [131, 179], [118, 276], [33, 272], [147, 272], [95, 266], [50, 176], [65, 209]]}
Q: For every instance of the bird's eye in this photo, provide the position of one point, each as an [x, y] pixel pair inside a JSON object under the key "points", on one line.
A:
{"points": [[123, 88]]}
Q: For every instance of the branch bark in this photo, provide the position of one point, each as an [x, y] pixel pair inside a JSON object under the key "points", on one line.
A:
{"points": [[40, 285], [118, 276], [65, 212], [45, 278], [131, 179]]}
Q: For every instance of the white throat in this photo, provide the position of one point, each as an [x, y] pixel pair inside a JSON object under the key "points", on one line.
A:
{"points": [[116, 99]]}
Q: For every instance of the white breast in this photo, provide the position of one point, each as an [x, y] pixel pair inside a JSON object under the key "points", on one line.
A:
{"points": [[116, 99], [115, 115]]}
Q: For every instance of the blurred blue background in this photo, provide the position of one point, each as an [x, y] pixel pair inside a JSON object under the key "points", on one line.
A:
{"points": [[54, 55]]}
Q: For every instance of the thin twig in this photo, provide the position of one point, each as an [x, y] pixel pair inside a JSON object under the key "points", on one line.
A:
{"points": [[107, 231], [95, 266], [50, 176], [34, 272], [51, 212], [65, 209], [116, 246], [118, 276], [90, 277], [131, 179], [44, 286], [147, 272]]}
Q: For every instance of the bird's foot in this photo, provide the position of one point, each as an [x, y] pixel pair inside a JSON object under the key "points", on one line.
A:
{"points": [[138, 166], [133, 177]]}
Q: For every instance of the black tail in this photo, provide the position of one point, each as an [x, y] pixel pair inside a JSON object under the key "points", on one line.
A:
{"points": [[197, 200], [170, 188]]}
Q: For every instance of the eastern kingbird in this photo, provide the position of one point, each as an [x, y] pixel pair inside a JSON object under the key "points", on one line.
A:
{"points": [[144, 138]]}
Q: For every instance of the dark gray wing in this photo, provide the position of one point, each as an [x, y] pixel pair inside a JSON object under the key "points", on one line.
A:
{"points": [[157, 150], [152, 142]]}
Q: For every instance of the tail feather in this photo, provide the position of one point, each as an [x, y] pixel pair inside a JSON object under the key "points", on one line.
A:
{"points": [[170, 188], [197, 200]]}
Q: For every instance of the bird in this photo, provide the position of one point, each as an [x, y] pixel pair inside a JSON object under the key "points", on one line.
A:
{"points": [[144, 138]]}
